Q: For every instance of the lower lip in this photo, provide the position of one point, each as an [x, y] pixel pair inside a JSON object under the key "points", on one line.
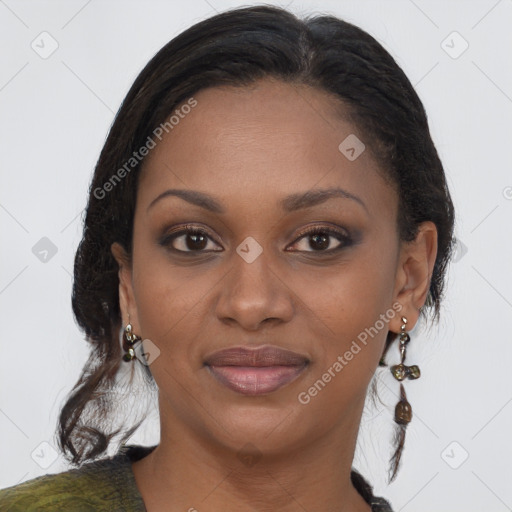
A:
{"points": [[250, 380]]}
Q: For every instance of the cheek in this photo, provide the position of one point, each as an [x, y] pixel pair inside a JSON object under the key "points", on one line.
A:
{"points": [[352, 310], [170, 314], [351, 296], [163, 293], [169, 301]]}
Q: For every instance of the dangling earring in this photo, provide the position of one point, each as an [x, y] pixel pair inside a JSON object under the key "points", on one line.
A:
{"points": [[403, 410], [129, 340]]}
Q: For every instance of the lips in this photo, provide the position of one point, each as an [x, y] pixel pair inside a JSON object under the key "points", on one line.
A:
{"points": [[255, 371], [262, 356]]}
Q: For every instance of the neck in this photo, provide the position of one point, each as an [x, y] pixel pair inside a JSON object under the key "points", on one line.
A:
{"points": [[189, 472]]}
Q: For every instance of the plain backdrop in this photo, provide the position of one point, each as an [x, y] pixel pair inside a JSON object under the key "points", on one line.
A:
{"points": [[65, 68]]}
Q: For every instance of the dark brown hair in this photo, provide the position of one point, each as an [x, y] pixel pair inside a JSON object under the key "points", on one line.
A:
{"points": [[237, 48]]}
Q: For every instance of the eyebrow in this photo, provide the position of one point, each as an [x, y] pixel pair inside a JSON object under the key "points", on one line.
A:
{"points": [[289, 204], [192, 196], [317, 196]]}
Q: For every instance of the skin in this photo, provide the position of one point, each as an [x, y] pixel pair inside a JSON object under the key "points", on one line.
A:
{"points": [[249, 148]]}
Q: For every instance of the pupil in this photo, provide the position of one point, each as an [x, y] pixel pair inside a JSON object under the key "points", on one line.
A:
{"points": [[320, 241], [195, 245]]}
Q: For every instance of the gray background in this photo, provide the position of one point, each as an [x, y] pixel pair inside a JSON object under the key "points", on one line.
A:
{"points": [[55, 111]]}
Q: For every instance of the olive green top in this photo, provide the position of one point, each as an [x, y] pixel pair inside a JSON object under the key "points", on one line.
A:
{"points": [[109, 485]]}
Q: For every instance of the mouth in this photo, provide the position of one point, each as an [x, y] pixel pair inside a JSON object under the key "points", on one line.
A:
{"points": [[256, 371]]}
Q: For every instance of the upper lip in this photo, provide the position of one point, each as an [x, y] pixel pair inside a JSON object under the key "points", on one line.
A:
{"points": [[268, 355]]}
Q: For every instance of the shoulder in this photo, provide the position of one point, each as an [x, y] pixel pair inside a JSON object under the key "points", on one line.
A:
{"points": [[94, 487]]}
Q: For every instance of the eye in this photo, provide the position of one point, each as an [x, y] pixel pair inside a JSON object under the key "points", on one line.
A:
{"points": [[320, 239], [188, 239]]}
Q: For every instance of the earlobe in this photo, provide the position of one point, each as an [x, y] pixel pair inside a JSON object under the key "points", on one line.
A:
{"points": [[416, 264]]}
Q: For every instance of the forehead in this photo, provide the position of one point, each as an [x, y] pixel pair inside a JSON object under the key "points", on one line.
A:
{"points": [[264, 140]]}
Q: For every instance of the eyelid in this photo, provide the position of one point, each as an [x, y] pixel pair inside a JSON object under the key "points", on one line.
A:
{"points": [[336, 232], [325, 228], [183, 230]]}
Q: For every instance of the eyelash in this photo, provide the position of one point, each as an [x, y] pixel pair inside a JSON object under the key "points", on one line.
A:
{"points": [[343, 238]]}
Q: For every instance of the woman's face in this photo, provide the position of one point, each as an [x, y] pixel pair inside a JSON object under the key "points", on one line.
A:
{"points": [[258, 157]]}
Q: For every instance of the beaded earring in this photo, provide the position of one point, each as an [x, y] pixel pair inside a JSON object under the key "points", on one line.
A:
{"points": [[129, 340], [403, 409]]}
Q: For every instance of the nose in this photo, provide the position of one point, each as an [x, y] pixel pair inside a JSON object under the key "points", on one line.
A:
{"points": [[253, 294]]}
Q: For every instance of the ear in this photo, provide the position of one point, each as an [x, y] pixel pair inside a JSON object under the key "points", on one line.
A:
{"points": [[127, 303], [414, 273]]}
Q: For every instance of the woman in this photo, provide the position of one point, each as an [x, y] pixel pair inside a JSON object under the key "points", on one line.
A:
{"points": [[267, 216]]}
